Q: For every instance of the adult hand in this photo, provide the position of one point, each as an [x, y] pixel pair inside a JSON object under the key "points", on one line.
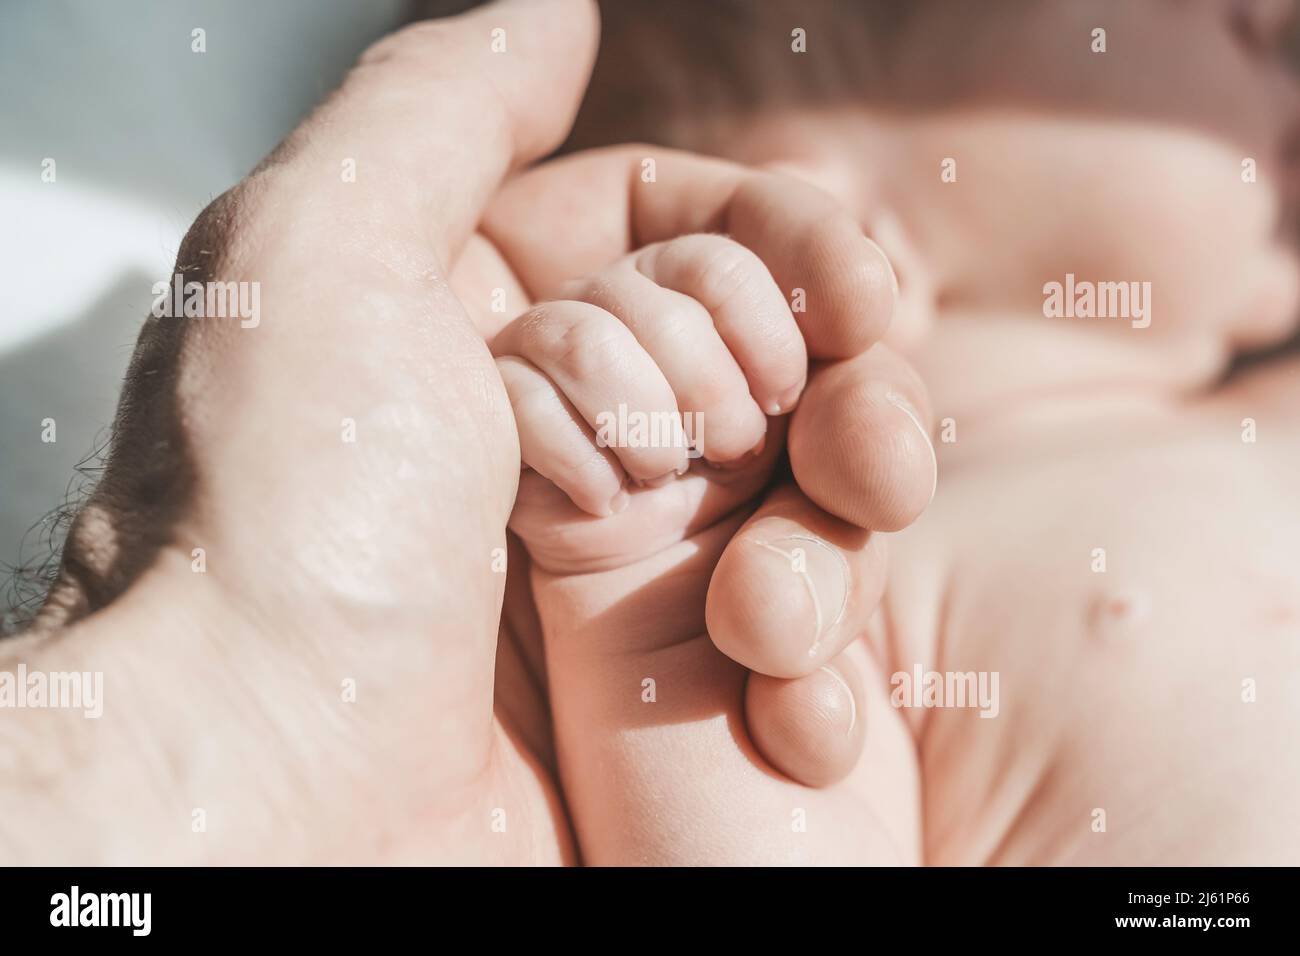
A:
{"points": [[288, 576]]}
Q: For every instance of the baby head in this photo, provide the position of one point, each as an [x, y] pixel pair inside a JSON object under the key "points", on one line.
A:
{"points": [[1036, 155]]}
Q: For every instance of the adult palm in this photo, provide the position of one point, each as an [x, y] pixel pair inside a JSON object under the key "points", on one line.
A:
{"points": [[289, 576]]}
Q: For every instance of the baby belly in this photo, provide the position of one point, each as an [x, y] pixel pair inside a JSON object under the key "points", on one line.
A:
{"points": [[1134, 653]]}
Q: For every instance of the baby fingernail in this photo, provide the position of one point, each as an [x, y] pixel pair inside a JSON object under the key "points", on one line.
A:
{"points": [[786, 402], [618, 504], [744, 460], [660, 481]]}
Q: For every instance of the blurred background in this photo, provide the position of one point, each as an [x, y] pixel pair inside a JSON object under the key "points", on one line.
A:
{"points": [[143, 132]]}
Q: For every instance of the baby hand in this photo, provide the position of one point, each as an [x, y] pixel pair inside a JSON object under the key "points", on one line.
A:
{"points": [[674, 354], [626, 529]]}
